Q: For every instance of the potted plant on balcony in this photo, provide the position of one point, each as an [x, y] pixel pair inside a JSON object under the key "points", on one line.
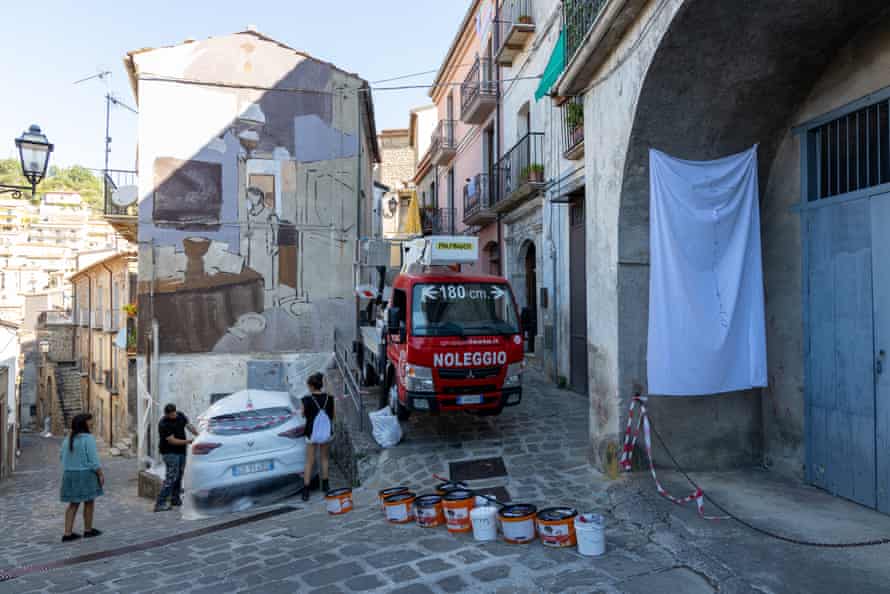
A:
{"points": [[575, 122], [130, 310], [534, 173]]}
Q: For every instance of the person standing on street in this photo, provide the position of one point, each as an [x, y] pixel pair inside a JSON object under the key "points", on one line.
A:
{"points": [[82, 478], [318, 410], [172, 445]]}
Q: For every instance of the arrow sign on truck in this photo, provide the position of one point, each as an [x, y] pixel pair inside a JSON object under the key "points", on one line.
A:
{"points": [[429, 294]]}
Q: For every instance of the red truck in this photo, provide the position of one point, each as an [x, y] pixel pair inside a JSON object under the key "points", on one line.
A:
{"points": [[449, 341]]}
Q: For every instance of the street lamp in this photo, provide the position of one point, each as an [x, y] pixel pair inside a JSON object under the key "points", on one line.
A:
{"points": [[34, 151]]}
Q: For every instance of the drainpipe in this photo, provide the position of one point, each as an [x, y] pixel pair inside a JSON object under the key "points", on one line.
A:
{"points": [[110, 356], [502, 256]]}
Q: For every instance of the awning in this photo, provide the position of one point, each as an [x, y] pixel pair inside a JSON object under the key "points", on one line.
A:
{"points": [[411, 225], [555, 66]]}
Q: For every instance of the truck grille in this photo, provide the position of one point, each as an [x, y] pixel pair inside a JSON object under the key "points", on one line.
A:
{"points": [[459, 374], [469, 389]]}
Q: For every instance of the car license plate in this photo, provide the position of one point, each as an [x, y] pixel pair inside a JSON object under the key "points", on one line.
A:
{"points": [[474, 399], [252, 468]]}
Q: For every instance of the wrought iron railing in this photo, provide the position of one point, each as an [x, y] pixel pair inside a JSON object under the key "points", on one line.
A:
{"points": [[579, 16], [522, 164], [477, 194], [513, 13], [573, 123], [443, 136], [114, 179], [437, 221], [479, 82]]}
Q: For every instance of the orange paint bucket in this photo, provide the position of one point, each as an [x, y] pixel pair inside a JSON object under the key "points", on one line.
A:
{"points": [[518, 523], [338, 501], [429, 512], [384, 493], [556, 527], [458, 504], [400, 507]]}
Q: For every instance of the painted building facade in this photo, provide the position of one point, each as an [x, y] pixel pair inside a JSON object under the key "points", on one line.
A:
{"points": [[255, 181]]}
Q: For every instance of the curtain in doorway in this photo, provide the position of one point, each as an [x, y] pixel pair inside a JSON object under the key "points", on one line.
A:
{"points": [[706, 306]]}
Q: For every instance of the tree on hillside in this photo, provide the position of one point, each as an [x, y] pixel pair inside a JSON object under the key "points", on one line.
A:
{"points": [[59, 179]]}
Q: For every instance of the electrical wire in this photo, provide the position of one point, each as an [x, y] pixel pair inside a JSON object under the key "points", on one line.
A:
{"points": [[759, 530]]}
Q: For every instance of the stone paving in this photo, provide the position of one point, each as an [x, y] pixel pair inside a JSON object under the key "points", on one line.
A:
{"points": [[652, 546]]}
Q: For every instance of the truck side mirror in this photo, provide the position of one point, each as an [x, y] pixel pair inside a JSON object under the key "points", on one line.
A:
{"points": [[392, 320]]}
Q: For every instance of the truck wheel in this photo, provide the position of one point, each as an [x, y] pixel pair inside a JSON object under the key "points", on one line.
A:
{"points": [[391, 394]]}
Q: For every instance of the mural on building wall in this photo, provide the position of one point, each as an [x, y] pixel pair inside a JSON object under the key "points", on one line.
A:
{"points": [[247, 225]]}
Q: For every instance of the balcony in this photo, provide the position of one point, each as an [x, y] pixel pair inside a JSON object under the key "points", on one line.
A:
{"points": [[593, 29], [517, 28], [573, 128], [442, 143], [121, 197], [520, 172], [477, 200], [437, 221], [478, 93]]}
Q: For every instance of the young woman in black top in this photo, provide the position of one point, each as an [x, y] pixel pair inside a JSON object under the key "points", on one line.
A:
{"points": [[316, 401]]}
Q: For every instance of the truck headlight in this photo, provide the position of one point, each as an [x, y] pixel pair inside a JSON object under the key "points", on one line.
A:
{"points": [[514, 375], [419, 379]]}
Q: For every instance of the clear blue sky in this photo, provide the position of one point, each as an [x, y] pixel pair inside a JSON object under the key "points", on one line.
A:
{"points": [[48, 45]]}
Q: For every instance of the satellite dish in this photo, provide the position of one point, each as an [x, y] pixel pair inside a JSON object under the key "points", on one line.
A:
{"points": [[125, 195]]}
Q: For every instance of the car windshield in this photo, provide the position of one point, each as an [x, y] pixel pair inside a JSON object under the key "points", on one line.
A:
{"points": [[463, 309], [248, 421]]}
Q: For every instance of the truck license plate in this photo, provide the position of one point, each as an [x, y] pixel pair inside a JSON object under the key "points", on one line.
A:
{"points": [[474, 399], [252, 468]]}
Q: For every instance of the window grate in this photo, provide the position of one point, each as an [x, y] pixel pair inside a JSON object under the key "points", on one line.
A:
{"points": [[852, 153]]}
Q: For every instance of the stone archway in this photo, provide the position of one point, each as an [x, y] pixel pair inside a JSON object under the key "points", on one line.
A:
{"points": [[725, 76]]}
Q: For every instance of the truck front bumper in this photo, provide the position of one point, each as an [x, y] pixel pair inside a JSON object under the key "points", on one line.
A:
{"points": [[434, 403]]}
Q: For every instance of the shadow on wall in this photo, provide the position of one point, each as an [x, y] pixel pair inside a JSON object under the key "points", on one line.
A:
{"points": [[246, 243]]}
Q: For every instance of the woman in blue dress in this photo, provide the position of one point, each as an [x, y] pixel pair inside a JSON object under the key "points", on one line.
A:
{"points": [[82, 478]]}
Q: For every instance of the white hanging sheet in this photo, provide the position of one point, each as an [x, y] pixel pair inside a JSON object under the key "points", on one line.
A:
{"points": [[706, 314]]}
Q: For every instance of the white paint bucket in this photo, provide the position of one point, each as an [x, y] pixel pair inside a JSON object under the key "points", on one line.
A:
{"points": [[485, 523], [591, 532]]}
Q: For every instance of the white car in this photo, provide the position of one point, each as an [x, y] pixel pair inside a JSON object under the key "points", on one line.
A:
{"points": [[251, 445]]}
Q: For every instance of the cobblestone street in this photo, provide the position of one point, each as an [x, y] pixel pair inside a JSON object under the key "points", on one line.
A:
{"points": [[652, 546]]}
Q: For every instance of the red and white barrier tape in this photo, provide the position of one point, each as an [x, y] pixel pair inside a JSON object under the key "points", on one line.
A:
{"points": [[631, 433]]}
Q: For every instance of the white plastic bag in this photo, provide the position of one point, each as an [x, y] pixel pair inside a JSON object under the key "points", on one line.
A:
{"points": [[385, 428]]}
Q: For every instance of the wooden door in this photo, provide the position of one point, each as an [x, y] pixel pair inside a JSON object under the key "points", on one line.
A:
{"points": [[577, 298], [840, 364]]}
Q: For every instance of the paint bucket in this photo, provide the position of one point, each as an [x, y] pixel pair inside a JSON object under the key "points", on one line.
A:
{"points": [[384, 493], [338, 501], [591, 532], [428, 510], [485, 522], [446, 487], [400, 507], [518, 523], [457, 504], [556, 527]]}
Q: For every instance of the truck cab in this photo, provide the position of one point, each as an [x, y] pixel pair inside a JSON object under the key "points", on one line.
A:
{"points": [[453, 342]]}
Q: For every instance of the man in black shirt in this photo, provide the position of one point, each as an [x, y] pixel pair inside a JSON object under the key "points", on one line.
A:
{"points": [[172, 445]]}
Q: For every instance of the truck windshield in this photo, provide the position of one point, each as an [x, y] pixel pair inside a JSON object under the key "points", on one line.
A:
{"points": [[463, 309]]}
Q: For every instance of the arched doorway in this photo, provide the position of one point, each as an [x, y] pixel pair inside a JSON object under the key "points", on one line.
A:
{"points": [[703, 99], [530, 311]]}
